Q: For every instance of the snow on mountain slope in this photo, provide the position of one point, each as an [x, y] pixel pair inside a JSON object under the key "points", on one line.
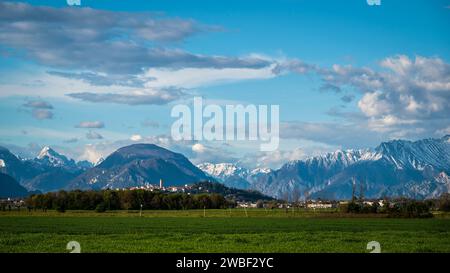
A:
{"points": [[50, 157], [418, 154], [416, 169], [232, 175], [258, 171], [99, 161], [223, 170], [340, 158], [49, 171]]}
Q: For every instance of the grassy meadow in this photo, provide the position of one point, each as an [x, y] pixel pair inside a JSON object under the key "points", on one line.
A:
{"points": [[236, 230]]}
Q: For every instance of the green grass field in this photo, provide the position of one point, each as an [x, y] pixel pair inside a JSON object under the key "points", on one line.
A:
{"points": [[219, 231]]}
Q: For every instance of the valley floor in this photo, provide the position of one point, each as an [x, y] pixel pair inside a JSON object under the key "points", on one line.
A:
{"points": [[234, 230]]}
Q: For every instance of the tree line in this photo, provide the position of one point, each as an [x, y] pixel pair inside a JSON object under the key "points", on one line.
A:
{"points": [[101, 201], [402, 207]]}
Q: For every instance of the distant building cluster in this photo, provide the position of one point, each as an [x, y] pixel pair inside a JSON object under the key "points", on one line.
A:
{"points": [[10, 204], [310, 204], [160, 187]]}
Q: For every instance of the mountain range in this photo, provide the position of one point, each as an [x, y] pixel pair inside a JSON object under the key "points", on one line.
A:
{"points": [[418, 169]]}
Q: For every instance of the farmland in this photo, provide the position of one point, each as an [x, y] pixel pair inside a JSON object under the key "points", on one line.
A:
{"points": [[236, 230]]}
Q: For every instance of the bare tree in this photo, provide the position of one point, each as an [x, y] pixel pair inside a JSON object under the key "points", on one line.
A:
{"points": [[286, 196], [296, 194], [361, 190], [306, 195], [353, 189]]}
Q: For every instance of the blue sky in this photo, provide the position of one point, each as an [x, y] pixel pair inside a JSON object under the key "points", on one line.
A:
{"points": [[345, 74]]}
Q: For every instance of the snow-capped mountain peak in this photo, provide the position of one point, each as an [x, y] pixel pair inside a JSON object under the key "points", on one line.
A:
{"points": [[222, 170], [402, 154], [232, 175], [260, 171], [418, 154], [50, 157], [46, 152], [336, 159]]}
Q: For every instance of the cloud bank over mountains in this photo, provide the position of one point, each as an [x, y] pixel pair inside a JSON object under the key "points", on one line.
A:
{"points": [[403, 97]]}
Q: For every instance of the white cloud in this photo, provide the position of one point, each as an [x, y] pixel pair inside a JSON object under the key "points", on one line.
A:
{"points": [[374, 104], [137, 97], [90, 153], [42, 114], [136, 138], [38, 104], [93, 135], [90, 124], [40, 109], [388, 123], [198, 148], [274, 159], [404, 95], [195, 77], [444, 131], [52, 85]]}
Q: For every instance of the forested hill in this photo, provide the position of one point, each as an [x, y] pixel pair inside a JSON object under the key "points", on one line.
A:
{"points": [[229, 193]]}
